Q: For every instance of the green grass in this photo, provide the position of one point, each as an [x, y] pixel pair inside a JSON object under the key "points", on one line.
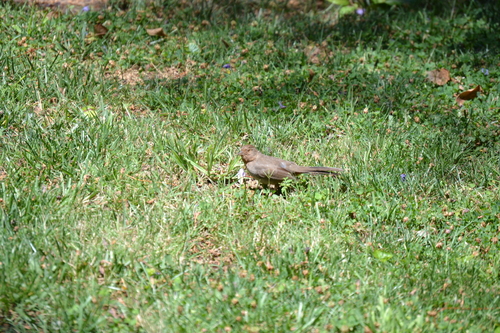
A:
{"points": [[119, 204]]}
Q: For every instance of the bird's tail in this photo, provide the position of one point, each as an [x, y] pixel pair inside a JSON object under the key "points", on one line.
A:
{"points": [[321, 170]]}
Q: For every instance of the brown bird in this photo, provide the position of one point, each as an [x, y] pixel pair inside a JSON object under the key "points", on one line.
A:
{"points": [[271, 170]]}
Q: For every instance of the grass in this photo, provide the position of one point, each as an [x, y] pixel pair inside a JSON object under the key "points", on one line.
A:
{"points": [[120, 208]]}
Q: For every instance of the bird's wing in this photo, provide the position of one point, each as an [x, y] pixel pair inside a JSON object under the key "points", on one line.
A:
{"points": [[291, 167], [272, 170]]}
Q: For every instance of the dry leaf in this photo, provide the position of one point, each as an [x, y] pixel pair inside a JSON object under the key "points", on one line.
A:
{"points": [[53, 14], [156, 32], [100, 30], [312, 74], [439, 77], [226, 44], [316, 55], [113, 312], [468, 95]]}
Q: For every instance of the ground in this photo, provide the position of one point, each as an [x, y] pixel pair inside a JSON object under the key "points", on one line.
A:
{"points": [[121, 210]]}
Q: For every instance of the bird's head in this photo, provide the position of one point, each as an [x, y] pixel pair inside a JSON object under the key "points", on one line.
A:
{"points": [[248, 153]]}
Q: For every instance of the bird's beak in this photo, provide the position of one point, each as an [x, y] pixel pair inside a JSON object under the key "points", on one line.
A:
{"points": [[240, 153]]}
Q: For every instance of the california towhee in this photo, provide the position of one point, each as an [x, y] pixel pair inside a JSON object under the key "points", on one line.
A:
{"points": [[271, 170]]}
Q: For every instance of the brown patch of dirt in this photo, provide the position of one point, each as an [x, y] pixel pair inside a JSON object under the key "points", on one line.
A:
{"points": [[130, 76], [206, 252], [317, 54], [133, 76], [76, 4], [3, 174]]}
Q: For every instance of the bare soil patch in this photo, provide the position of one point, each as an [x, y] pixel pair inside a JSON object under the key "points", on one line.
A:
{"points": [[68, 4]]}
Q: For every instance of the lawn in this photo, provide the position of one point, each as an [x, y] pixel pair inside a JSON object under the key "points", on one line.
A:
{"points": [[119, 202]]}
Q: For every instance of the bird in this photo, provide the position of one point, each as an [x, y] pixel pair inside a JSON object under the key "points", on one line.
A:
{"points": [[270, 170]]}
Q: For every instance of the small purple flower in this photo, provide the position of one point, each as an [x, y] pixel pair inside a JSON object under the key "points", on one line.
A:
{"points": [[226, 66], [403, 177], [485, 71], [86, 9], [360, 11], [281, 106]]}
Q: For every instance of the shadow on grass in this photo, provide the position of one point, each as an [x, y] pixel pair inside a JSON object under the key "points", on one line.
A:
{"points": [[436, 19]]}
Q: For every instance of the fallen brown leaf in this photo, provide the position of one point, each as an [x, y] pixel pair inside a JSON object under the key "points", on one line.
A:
{"points": [[53, 14], [156, 32], [101, 270], [226, 44], [100, 30], [316, 55], [312, 74], [439, 76], [468, 95], [112, 310]]}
